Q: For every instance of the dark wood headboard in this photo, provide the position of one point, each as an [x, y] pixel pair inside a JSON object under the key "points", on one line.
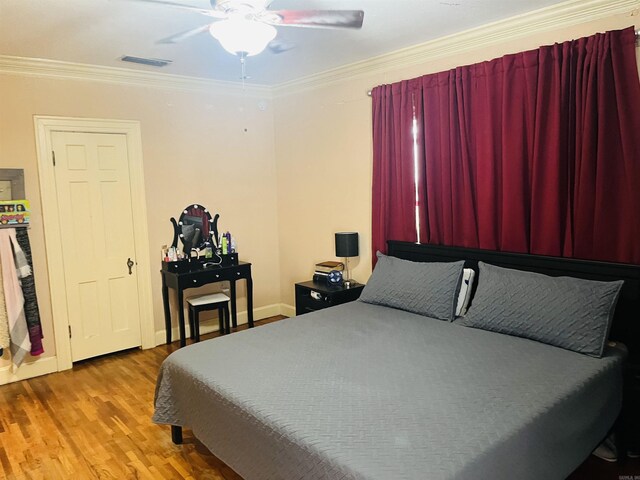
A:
{"points": [[626, 321]]}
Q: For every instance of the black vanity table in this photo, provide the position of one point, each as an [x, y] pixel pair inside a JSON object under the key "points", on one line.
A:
{"points": [[198, 232], [197, 277]]}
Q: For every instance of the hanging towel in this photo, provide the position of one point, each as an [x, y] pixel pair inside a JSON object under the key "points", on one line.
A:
{"points": [[31, 310], [5, 339], [20, 343], [23, 268]]}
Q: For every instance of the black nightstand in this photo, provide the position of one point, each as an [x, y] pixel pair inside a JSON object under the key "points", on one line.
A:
{"points": [[329, 296]]}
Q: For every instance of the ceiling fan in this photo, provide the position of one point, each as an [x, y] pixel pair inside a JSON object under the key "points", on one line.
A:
{"points": [[246, 27]]}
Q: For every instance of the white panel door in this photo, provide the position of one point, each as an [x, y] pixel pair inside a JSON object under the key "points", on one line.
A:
{"points": [[96, 223]]}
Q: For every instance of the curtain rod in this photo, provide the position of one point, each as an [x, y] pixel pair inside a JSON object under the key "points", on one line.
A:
{"points": [[637, 42]]}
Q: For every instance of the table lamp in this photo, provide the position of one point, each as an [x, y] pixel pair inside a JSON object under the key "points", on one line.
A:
{"points": [[347, 246]]}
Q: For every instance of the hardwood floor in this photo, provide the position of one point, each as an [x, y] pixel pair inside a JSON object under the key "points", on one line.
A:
{"points": [[94, 422]]}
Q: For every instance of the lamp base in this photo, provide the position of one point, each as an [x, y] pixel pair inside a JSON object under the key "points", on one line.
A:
{"points": [[347, 281]]}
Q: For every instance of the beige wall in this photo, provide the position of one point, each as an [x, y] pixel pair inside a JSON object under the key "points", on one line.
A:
{"points": [[300, 172], [324, 150], [195, 150]]}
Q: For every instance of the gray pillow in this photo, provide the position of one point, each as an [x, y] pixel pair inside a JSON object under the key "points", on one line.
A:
{"points": [[429, 289], [566, 312]]}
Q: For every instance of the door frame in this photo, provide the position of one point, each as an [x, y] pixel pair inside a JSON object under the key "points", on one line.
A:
{"points": [[44, 127]]}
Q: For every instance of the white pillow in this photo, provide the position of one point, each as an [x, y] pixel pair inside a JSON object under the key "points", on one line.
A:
{"points": [[468, 275]]}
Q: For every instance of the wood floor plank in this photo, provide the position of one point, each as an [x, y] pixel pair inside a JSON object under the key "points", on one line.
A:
{"points": [[94, 422]]}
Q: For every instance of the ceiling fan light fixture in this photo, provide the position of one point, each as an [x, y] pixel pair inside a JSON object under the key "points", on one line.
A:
{"points": [[239, 35]]}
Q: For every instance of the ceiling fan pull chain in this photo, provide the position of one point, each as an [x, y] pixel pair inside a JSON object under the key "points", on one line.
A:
{"points": [[243, 64]]}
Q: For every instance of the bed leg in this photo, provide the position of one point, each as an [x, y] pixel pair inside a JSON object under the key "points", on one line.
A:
{"points": [[176, 434]]}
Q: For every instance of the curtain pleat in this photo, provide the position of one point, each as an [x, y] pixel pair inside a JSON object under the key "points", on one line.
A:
{"points": [[536, 152], [393, 172]]}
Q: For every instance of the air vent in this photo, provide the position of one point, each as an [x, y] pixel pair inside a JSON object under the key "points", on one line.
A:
{"points": [[153, 62]]}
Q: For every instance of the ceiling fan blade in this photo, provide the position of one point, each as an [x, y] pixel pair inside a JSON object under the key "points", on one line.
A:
{"points": [[166, 3], [180, 36], [230, 4], [315, 18]]}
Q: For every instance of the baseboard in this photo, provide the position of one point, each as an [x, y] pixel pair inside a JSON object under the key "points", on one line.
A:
{"points": [[209, 326], [288, 310], [40, 366]]}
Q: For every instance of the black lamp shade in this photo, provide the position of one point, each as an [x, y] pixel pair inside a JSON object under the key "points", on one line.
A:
{"points": [[347, 244]]}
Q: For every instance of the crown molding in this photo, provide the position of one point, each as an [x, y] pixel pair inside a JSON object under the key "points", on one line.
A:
{"points": [[38, 67], [562, 15]]}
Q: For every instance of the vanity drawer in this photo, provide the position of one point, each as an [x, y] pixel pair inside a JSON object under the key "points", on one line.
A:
{"points": [[176, 267], [242, 271], [229, 259], [210, 275], [197, 280]]}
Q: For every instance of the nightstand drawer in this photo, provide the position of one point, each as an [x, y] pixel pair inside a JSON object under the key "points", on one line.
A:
{"points": [[312, 296], [307, 303]]}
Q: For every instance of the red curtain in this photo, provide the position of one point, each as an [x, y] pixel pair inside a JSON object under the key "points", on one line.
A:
{"points": [[536, 152], [393, 167]]}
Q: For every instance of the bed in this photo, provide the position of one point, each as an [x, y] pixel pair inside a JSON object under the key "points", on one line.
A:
{"points": [[364, 391]]}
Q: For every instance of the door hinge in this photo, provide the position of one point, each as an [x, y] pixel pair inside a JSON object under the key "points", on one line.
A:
{"points": [[69, 331], [53, 155]]}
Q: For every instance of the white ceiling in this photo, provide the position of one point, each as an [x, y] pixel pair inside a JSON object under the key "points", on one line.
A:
{"points": [[99, 32]]}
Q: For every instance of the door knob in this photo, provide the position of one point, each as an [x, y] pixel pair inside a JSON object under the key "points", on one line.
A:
{"points": [[130, 265]]}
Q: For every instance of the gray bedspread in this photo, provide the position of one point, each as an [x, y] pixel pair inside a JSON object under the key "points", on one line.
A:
{"points": [[361, 391]]}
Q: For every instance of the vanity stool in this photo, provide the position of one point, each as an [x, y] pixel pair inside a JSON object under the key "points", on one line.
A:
{"points": [[202, 303]]}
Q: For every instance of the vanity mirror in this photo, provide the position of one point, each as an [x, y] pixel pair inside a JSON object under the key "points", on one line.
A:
{"points": [[195, 228]]}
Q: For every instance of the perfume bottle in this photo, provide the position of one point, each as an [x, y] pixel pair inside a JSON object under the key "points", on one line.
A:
{"points": [[208, 249]]}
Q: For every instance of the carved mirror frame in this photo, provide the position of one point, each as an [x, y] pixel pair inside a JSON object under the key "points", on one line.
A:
{"points": [[211, 223]]}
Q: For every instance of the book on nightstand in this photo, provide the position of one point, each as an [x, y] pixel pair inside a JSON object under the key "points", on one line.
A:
{"points": [[326, 267]]}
